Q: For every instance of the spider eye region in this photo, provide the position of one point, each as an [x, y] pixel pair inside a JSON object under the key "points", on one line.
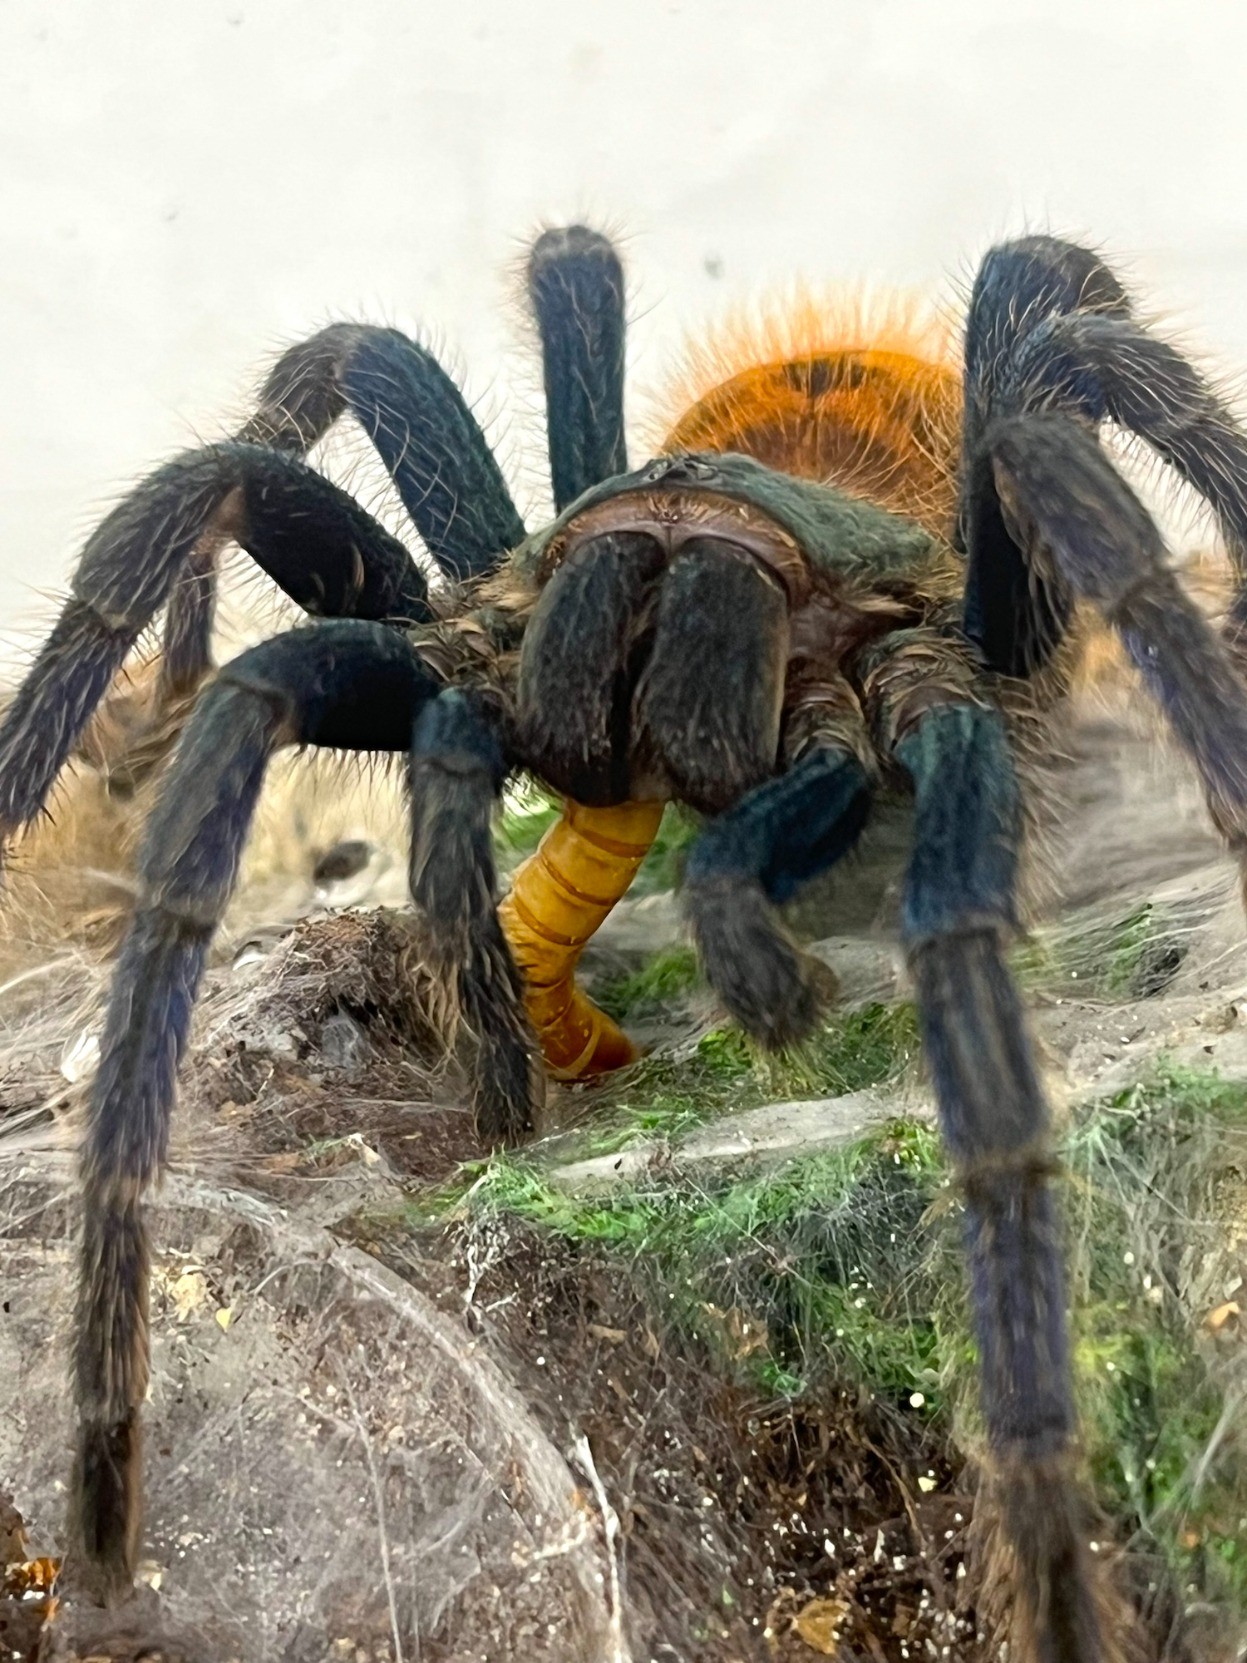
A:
{"points": [[690, 469]]}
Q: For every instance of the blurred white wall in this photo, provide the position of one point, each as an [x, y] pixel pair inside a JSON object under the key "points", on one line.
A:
{"points": [[187, 183]]}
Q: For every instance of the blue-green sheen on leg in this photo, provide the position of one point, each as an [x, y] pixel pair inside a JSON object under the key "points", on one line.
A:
{"points": [[958, 911], [756, 855], [576, 289], [345, 683], [434, 449], [457, 772]]}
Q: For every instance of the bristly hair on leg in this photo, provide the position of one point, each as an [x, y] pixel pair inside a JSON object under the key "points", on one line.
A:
{"points": [[575, 286], [346, 684], [187, 871], [754, 857], [159, 546], [1028, 1516], [457, 772], [298, 401], [958, 910], [312, 539], [434, 450], [1065, 497]]}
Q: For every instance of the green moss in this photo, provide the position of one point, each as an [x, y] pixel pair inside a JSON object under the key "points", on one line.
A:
{"points": [[665, 1095], [788, 1278], [724, 1055], [724, 1072], [1149, 1169], [660, 979], [853, 1051], [1121, 958], [1130, 937], [846, 1268], [527, 815], [663, 867]]}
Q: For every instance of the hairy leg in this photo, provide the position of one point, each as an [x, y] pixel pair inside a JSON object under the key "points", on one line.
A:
{"points": [[1016, 616], [160, 546], [958, 912], [576, 290], [457, 772], [419, 421], [1111, 367], [1050, 330], [446, 474], [313, 539], [186, 647], [345, 684], [758, 853], [1064, 497], [298, 402], [434, 450]]}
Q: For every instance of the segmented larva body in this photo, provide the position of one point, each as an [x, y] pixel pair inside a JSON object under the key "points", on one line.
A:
{"points": [[559, 897]]}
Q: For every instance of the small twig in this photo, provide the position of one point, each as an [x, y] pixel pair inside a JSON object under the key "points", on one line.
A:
{"points": [[876, 1650], [379, 1497], [37, 971], [1227, 1419], [282, 1270], [935, 1581], [619, 1652]]}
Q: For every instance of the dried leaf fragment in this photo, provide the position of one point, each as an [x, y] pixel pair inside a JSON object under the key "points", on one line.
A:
{"points": [[819, 1622], [1221, 1316]]}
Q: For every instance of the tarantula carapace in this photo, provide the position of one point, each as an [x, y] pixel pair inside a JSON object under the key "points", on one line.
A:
{"points": [[848, 567]]}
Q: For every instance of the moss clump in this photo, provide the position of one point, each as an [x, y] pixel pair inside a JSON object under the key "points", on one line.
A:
{"points": [[660, 979], [1155, 1171], [723, 1071], [802, 1275], [845, 1269], [853, 1051], [1132, 956]]}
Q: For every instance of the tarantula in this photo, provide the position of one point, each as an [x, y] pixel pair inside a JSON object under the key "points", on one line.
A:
{"points": [[845, 570]]}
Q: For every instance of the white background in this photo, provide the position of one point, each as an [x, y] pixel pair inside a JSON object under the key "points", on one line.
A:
{"points": [[186, 184]]}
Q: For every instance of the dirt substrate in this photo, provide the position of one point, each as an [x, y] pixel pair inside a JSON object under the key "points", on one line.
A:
{"points": [[388, 1424], [464, 1441], [333, 1458]]}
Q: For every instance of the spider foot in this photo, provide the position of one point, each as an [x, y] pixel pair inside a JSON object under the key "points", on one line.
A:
{"points": [[770, 987], [1036, 1521], [132, 1630], [106, 1521]]}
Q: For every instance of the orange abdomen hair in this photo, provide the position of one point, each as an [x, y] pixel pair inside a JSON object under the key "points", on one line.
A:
{"points": [[863, 397]]}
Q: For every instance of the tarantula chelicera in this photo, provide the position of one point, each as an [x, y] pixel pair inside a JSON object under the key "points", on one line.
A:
{"points": [[847, 568]]}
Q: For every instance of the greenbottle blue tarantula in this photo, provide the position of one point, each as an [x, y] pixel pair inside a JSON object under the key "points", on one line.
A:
{"points": [[844, 570]]}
